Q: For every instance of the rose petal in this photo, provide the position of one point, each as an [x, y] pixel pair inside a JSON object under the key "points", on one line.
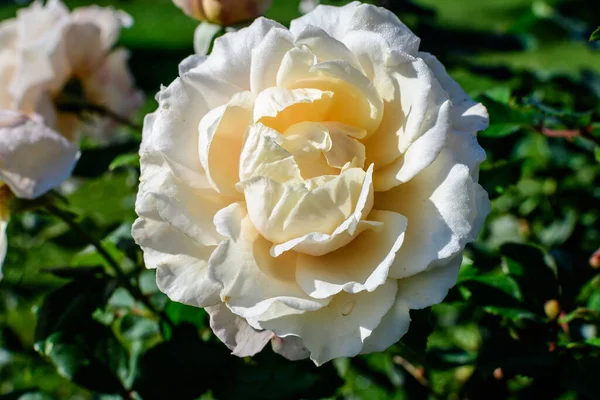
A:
{"points": [[33, 157], [241, 338], [362, 266], [221, 139], [290, 347], [341, 328], [267, 57], [252, 280], [338, 22], [445, 210]]}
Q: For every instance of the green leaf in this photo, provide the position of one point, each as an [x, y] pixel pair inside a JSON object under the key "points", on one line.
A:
{"points": [[505, 119], [595, 35], [131, 160], [597, 153], [491, 290], [515, 314], [449, 358], [81, 348]]}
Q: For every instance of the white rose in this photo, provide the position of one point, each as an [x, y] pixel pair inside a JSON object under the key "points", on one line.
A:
{"points": [[4, 217], [310, 186], [49, 56]]}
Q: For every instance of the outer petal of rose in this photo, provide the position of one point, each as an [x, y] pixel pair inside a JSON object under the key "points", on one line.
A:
{"points": [[33, 157], [338, 22], [318, 244], [181, 263], [43, 64], [362, 266], [241, 338], [263, 156], [281, 212], [341, 328], [108, 20], [416, 292], [267, 57], [221, 138], [445, 210], [189, 210], [172, 130], [83, 43], [252, 280], [291, 347], [112, 85], [231, 56]]}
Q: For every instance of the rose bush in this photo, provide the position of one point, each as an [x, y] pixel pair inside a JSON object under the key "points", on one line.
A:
{"points": [[310, 186], [56, 64]]}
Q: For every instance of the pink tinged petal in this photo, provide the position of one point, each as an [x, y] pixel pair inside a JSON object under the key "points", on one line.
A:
{"points": [[318, 244], [267, 57], [221, 137], [231, 56], [84, 48], [362, 266], [291, 347], [341, 328], [264, 156], [339, 22], [33, 157], [252, 280], [241, 338], [445, 210]]}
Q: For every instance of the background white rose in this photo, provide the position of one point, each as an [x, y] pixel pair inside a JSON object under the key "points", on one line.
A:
{"points": [[313, 184], [50, 57]]}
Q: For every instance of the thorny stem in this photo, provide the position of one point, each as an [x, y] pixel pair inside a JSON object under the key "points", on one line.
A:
{"points": [[585, 132], [134, 290]]}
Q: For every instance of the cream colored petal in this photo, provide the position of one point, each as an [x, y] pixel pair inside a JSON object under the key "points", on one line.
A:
{"points": [[339, 22], [364, 265], [221, 137], [264, 156], [341, 328], [356, 101], [280, 108], [281, 212], [252, 280], [291, 347], [84, 49], [393, 326], [189, 210], [33, 157], [325, 47], [267, 57], [318, 244], [431, 286], [181, 263], [241, 338], [345, 146], [445, 210]]}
